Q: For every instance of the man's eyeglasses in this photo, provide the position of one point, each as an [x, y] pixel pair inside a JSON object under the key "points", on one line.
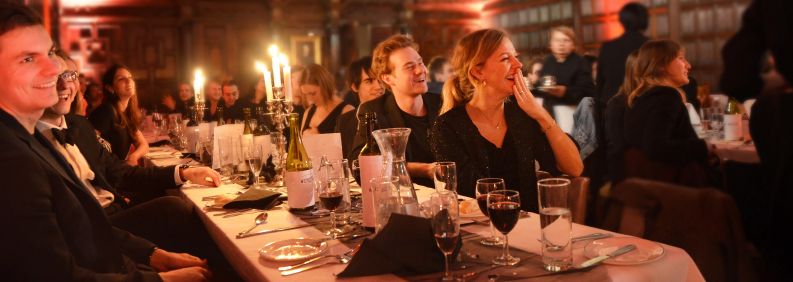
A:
{"points": [[68, 76]]}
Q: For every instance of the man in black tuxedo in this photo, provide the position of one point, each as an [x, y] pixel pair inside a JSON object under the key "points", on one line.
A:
{"points": [[54, 228], [398, 65]]}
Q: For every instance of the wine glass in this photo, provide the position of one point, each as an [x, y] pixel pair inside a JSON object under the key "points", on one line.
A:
{"points": [[716, 122], [207, 144], [340, 169], [331, 195], [226, 157], [445, 219], [504, 209], [704, 119], [445, 176], [483, 187], [253, 156]]}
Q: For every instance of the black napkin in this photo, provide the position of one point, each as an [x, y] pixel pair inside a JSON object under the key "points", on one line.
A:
{"points": [[160, 143], [253, 198], [406, 246]]}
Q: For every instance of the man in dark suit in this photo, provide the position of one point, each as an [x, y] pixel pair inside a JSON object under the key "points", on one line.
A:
{"points": [[399, 67], [365, 86], [54, 228], [614, 53]]}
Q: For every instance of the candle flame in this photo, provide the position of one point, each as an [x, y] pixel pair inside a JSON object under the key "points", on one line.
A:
{"points": [[199, 78], [273, 50], [284, 60], [261, 67]]}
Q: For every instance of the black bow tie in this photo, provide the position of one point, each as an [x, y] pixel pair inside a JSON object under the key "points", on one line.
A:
{"points": [[65, 136]]}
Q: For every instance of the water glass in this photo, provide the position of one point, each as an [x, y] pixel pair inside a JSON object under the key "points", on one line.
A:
{"points": [[716, 122], [503, 206], [206, 153], [254, 156], [556, 223], [382, 200], [226, 150], [445, 176], [483, 187], [445, 220], [704, 119]]}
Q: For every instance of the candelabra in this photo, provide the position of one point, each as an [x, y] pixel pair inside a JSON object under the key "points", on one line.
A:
{"points": [[281, 109], [199, 111]]}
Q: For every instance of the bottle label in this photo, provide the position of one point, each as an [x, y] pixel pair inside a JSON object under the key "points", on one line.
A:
{"points": [[370, 168], [732, 127], [299, 189]]}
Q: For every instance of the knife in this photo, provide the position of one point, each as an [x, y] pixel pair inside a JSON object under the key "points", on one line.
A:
{"points": [[344, 237], [618, 252], [243, 235]]}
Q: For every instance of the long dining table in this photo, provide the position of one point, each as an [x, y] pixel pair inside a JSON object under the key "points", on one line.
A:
{"points": [[243, 254]]}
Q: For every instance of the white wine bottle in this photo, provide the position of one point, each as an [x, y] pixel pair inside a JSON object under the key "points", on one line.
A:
{"points": [[371, 163], [299, 179], [732, 121]]}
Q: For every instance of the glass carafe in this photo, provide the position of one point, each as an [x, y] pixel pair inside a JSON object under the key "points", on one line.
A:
{"points": [[392, 143]]}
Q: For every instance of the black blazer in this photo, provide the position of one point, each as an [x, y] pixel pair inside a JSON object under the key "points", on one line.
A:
{"points": [[347, 125], [658, 125], [458, 140], [611, 64], [389, 116], [53, 227], [113, 172]]}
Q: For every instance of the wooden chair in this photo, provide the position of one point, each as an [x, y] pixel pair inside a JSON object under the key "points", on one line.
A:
{"points": [[579, 195]]}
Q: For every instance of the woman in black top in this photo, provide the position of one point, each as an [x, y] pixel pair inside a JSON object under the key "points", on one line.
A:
{"points": [[657, 126], [572, 71], [615, 118], [491, 125], [118, 119], [317, 84]]}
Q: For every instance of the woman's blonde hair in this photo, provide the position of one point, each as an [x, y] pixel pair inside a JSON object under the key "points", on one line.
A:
{"points": [[318, 76], [471, 51], [630, 81], [653, 57], [566, 31]]}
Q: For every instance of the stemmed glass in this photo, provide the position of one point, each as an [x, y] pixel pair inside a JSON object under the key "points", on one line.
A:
{"points": [[704, 119], [483, 187], [445, 219], [226, 156], [158, 122], [331, 195], [340, 169], [445, 176], [208, 145], [504, 209], [253, 156], [716, 122]]}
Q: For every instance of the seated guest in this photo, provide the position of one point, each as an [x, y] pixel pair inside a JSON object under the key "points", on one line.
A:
{"points": [[573, 73], [366, 87], [690, 89], [662, 144], [118, 119], [93, 97], [441, 70], [399, 67], [234, 106], [213, 100], [593, 61], [491, 124], [186, 100], [615, 119], [535, 66], [77, 105], [60, 231], [321, 116]]}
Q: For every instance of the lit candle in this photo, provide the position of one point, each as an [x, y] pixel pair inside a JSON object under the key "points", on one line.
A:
{"points": [[268, 84], [197, 84], [287, 78], [276, 66]]}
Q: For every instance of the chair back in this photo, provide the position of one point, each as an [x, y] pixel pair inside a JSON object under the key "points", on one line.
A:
{"points": [[579, 195]]}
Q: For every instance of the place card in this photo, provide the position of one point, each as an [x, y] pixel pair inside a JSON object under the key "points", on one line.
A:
{"points": [[328, 145], [221, 131]]}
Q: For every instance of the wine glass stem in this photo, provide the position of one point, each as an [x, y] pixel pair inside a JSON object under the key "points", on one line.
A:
{"points": [[506, 247], [332, 222], [448, 265], [256, 179]]}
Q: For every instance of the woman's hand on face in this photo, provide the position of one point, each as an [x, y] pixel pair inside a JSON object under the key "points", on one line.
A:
{"points": [[526, 100], [169, 102]]}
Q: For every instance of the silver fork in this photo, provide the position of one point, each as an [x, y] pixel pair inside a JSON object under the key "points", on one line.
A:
{"points": [[283, 268], [344, 260]]}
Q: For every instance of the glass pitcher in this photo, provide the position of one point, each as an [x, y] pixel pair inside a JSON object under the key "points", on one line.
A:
{"points": [[393, 143]]}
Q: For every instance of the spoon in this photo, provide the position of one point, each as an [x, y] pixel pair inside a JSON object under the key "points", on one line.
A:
{"points": [[259, 220]]}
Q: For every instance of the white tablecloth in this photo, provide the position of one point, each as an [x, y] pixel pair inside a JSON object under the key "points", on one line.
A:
{"points": [[728, 150], [676, 265]]}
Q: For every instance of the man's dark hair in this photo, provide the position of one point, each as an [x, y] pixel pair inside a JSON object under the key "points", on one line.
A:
{"points": [[357, 68], [436, 66], [591, 58], [13, 16], [633, 16], [230, 82]]}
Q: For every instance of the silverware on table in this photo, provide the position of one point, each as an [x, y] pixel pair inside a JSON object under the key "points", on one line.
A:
{"points": [[344, 260], [343, 237], [241, 235], [599, 259], [231, 212], [256, 221], [341, 256], [249, 211], [593, 236]]}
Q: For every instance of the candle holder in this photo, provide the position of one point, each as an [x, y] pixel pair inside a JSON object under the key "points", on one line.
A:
{"points": [[281, 109], [199, 111]]}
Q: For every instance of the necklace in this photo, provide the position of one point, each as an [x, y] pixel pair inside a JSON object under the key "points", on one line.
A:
{"points": [[489, 121]]}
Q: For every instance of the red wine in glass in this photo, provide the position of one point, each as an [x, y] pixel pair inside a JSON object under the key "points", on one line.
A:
{"points": [[482, 201], [504, 215], [446, 242], [331, 201]]}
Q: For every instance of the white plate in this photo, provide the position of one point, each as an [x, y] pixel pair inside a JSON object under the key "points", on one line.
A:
{"points": [[292, 250], [161, 156], [646, 251]]}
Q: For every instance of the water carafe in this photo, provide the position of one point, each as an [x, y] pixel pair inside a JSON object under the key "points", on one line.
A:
{"points": [[393, 143]]}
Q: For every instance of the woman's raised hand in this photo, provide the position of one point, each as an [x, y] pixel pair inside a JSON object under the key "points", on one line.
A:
{"points": [[526, 100]]}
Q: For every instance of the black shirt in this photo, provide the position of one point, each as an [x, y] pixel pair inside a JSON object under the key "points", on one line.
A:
{"points": [[328, 124], [419, 143], [575, 73], [104, 120], [503, 160]]}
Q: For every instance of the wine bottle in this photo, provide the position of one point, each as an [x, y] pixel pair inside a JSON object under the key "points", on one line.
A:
{"points": [[299, 179], [221, 120], [732, 121], [247, 129], [191, 111], [371, 163], [260, 128]]}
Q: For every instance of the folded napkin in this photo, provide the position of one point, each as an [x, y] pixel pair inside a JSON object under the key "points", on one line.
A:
{"points": [[253, 198], [406, 246], [160, 143]]}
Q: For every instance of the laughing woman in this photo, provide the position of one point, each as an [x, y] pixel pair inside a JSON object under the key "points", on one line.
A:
{"points": [[117, 120], [491, 125]]}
